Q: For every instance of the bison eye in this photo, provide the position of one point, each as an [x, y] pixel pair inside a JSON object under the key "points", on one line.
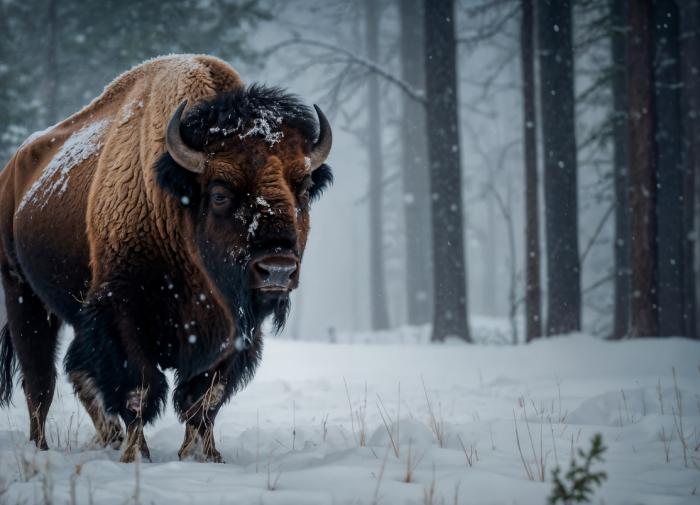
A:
{"points": [[304, 186], [303, 191], [220, 198]]}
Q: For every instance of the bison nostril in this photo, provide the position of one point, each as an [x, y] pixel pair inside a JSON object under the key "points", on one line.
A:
{"points": [[274, 272], [261, 271]]}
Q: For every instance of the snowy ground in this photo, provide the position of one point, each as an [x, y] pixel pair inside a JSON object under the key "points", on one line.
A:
{"points": [[289, 438]]}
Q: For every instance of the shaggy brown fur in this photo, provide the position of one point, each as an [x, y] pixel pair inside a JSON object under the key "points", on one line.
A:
{"points": [[91, 237]]}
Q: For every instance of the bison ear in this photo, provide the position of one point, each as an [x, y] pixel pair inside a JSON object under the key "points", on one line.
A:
{"points": [[178, 181], [322, 177]]}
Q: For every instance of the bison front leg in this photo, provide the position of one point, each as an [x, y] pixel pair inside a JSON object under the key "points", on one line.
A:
{"points": [[197, 402], [134, 414], [107, 354]]}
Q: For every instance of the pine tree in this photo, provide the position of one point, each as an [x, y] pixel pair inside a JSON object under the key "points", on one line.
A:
{"points": [[690, 107], [642, 180], [449, 262], [533, 309], [618, 14], [554, 28], [579, 481], [670, 238]]}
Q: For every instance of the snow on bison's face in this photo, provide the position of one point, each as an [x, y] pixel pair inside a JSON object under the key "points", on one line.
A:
{"points": [[247, 164]]}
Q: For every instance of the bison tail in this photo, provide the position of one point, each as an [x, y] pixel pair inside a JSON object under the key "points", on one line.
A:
{"points": [[7, 366]]}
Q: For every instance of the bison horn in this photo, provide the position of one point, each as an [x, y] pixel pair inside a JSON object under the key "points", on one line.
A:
{"points": [[322, 147], [185, 156]]}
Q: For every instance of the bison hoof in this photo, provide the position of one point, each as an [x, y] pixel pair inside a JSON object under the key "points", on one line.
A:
{"points": [[214, 456], [197, 454], [135, 444], [129, 455]]}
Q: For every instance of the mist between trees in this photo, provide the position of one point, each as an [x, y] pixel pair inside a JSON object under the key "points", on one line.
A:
{"points": [[533, 161]]}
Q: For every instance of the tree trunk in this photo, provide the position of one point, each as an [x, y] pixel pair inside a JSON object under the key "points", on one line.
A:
{"points": [[690, 106], [642, 179], [442, 125], [559, 141], [380, 315], [490, 278], [618, 12], [533, 309], [50, 85], [415, 168], [669, 170]]}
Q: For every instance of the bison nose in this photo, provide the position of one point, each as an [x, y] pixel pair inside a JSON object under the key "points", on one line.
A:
{"points": [[274, 272]]}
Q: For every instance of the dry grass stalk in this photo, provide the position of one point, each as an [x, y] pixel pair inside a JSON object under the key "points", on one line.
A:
{"points": [[554, 443], [540, 458], [358, 416], [272, 483], [437, 425], [72, 487], [666, 441], [630, 418], [412, 463], [429, 492], [375, 499], [324, 425], [560, 417], [471, 454], [677, 412], [389, 426], [526, 466]]}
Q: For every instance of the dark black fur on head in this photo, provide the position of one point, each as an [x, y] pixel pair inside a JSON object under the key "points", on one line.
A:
{"points": [[228, 113], [322, 177]]}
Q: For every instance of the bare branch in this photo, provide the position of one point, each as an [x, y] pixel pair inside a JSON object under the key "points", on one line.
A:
{"points": [[600, 282], [351, 57], [490, 30], [485, 6], [597, 231]]}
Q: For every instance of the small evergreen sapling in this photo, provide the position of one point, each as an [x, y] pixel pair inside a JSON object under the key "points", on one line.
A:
{"points": [[578, 483]]}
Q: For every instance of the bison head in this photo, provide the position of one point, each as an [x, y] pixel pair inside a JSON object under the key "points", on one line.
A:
{"points": [[246, 165]]}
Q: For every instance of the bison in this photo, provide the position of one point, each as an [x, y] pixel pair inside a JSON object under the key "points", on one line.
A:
{"points": [[165, 222]]}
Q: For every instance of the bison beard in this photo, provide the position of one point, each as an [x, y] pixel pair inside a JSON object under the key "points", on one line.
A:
{"points": [[251, 307]]}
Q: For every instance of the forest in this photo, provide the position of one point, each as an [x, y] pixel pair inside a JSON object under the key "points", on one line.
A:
{"points": [[499, 299]]}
